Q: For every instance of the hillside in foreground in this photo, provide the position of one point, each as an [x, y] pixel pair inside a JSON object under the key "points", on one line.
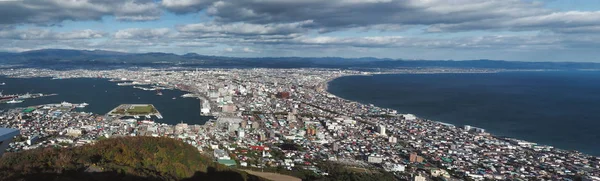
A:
{"points": [[128, 158]]}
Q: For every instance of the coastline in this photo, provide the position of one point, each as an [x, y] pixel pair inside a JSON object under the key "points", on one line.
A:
{"points": [[499, 137]]}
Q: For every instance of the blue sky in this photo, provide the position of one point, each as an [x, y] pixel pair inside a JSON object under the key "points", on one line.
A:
{"points": [[522, 30]]}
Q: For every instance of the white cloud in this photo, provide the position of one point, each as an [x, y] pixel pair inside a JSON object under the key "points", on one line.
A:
{"points": [[43, 34], [51, 12], [139, 33], [246, 28]]}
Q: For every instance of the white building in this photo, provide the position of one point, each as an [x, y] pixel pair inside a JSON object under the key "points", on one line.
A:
{"points": [[392, 139], [420, 178], [381, 129], [241, 133], [374, 159]]}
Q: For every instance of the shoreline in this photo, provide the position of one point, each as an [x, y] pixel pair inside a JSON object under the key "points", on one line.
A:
{"points": [[499, 137]]}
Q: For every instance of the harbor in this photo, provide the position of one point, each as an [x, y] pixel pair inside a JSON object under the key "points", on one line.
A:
{"points": [[20, 98]]}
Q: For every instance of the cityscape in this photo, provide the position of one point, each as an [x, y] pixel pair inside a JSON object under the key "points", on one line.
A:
{"points": [[299, 90], [266, 118]]}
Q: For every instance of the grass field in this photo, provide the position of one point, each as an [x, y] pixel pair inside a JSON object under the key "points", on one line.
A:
{"points": [[126, 109], [141, 110], [273, 176]]}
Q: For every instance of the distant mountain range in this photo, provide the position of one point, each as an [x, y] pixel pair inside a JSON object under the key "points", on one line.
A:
{"points": [[63, 57]]}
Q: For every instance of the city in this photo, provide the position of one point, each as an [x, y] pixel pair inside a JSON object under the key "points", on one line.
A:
{"points": [[267, 118]]}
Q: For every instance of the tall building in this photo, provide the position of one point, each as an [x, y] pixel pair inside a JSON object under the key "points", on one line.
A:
{"points": [[381, 129], [241, 133], [6, 136]]}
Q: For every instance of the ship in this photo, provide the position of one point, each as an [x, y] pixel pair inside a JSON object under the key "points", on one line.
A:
{"points": [[7, 97], [82, 105], [14, 101], [25, 96]]}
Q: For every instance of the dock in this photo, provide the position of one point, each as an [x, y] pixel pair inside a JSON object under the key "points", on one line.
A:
{"points": [[204, 103]]}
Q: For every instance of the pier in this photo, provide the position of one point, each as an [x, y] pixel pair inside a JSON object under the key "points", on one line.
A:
{"points": [[21, 97]]}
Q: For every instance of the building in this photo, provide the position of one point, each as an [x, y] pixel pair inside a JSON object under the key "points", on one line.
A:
{"points": [[241, 133], [229, 108], [32, 139], [381, 129], [392, 139], [205, 110], [283, 95], [255, 125], [6, 136], [420, 178], [374, 159], [336, 146], [439, 173], [415, 158], [74, 132], [467, 127], [591, 178], [291, 117]]}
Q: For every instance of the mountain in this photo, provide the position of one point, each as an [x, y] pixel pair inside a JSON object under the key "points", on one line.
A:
{"points": [[126, 158], [65, 58]]}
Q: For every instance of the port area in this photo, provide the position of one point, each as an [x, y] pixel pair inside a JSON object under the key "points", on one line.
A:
{"points": [[22, 97], [135, 110], [205, 104]]}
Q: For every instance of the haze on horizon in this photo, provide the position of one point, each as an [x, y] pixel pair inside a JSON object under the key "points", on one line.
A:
{"points": [[523, 30]]}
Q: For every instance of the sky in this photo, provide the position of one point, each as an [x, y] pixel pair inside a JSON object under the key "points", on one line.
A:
{"points": [[518, 30]]}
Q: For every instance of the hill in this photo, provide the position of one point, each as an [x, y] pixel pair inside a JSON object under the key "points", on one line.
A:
{"points": [[127, 158], [61, 58]]}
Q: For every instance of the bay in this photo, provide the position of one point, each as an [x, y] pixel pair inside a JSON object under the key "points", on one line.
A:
{"points": [[557, 108], [103, 96]]}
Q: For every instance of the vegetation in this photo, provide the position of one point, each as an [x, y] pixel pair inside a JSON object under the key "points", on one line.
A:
{"points": [[136, 110], [128, 158], [141, 110], [341, 172]]}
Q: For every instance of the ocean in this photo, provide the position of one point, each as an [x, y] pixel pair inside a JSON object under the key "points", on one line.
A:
{"points": [[103, 96], [557, 108]]}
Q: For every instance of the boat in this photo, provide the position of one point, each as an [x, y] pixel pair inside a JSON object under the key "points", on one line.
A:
{"points": [[159, 93], [7, 97], [82, 105], [2, 83], [25, 96], [174, 98], [14, 101]]}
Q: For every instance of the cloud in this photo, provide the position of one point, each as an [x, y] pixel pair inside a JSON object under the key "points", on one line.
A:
{"points": [[562, 22], [394, 15], [194, 44], [51, 12], [138, 33], [335, 14], [245, 28], [43, 34], [185, 6], [499, 42]]}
